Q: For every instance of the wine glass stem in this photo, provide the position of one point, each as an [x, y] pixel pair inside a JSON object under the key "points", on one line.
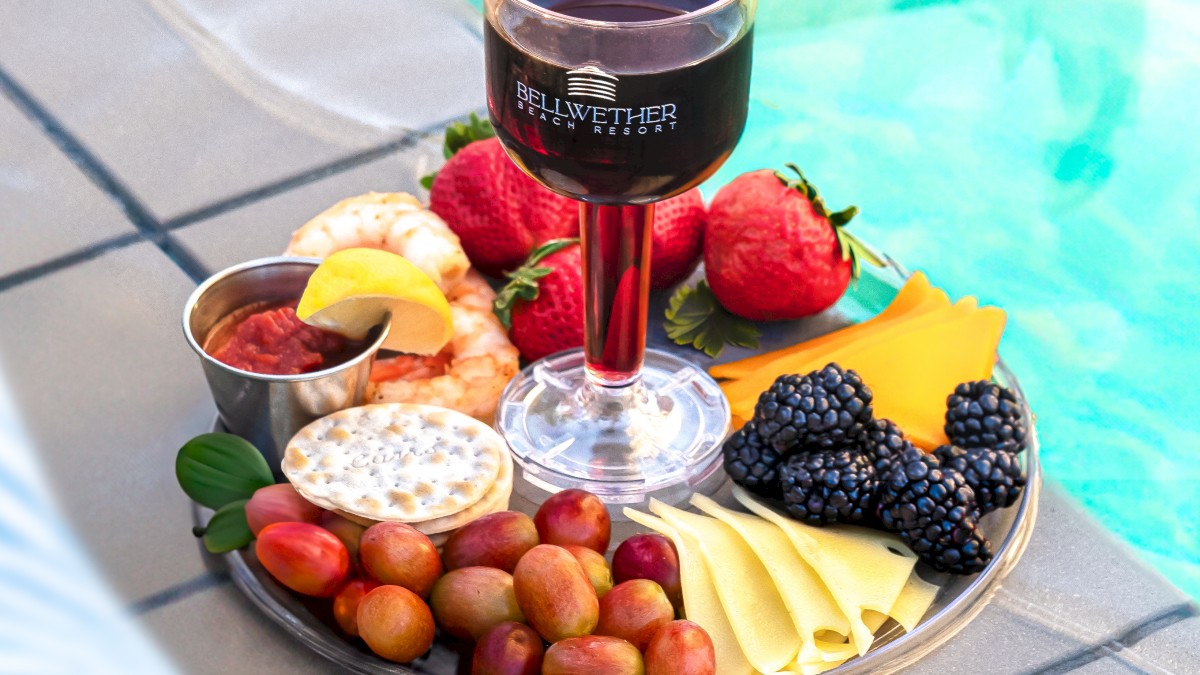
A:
{"points": [[616, 289]]}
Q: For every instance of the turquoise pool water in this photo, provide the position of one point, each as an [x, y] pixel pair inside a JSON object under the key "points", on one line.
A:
{"points": [[1043, 157]]}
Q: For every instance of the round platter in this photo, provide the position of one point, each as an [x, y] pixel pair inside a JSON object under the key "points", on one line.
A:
{"points": [[959, 599]]}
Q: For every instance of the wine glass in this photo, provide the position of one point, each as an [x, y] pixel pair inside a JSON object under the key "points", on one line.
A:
{"points": [[618, 104]]}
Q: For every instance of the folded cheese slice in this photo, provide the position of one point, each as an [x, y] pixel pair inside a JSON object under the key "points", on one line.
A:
{"points": [[808, 601], [755, 609], [700, 600], [863, 569]]}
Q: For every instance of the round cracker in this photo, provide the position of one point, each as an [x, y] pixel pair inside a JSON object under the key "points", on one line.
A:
{"points": [[497, 499], [395, 461]]}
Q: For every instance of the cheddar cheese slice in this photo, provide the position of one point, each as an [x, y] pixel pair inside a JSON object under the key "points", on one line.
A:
{"points": [[914, 297], [743, 394]]}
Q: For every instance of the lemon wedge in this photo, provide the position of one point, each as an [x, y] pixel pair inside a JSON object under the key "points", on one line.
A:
{"points": [[354, 289]]}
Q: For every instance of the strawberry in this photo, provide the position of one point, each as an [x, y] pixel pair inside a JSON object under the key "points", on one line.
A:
{"points": [[499, 213], [542, 305], [772, 249], [624, 321], [678, 238]]}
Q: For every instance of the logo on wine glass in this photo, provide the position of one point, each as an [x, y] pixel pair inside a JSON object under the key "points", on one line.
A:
{"points": [[593, 82]]}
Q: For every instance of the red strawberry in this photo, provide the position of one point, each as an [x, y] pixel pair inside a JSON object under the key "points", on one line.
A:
{"points": [[773, 251], [499, 213], [678, 238], [626, 339], [542, 305]]}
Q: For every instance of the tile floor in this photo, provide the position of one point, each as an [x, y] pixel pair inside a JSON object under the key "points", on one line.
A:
{"points": [[132, 165]]}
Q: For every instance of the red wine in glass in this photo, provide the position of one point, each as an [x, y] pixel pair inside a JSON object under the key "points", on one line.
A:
{"points": [[618, 104], [622, 138], [618, 139]]}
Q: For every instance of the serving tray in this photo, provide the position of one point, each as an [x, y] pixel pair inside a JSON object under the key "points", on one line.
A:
{"points": [[959, 600]]}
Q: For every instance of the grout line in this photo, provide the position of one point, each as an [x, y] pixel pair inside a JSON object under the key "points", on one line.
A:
{"points": [[95, 171], [149, 228], [257, 194], [80, 156], [22, 276], [1125, 640], [183, 257], [177, 593], [333, 168]]}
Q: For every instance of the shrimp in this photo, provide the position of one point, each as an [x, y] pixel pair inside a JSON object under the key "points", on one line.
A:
{"points": [[469, 374], [390, 221]]}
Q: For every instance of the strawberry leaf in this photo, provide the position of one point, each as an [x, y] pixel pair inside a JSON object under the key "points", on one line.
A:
{"points": [[458, 136], [694, 317], [523, 281], [851, 247]]}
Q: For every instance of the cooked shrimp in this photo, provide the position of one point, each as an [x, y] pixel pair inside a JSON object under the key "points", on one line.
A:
{"points": [[390, 221], [469, 374], [473, 291]]}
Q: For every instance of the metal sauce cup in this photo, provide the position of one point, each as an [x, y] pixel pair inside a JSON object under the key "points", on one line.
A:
{"points": [[268, 410]]}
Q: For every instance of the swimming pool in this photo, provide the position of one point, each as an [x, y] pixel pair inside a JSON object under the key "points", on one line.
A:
{"points": [[1043, 157]]}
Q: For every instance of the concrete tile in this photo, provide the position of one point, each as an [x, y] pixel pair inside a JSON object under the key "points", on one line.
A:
{"points": [[378, 63], [220, 631], [265, 227], [109, 391], [999, 642], [49, 207], [1109, 665], [1173, 649], [161, 111], [1079, 579]]}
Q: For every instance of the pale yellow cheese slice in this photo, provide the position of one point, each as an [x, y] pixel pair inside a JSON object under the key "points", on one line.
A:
{"points": [[913, 602], [700, 601], [863, 569], [814, 668], [834, 651], [755, 609], [808, 601], [875, 620]]}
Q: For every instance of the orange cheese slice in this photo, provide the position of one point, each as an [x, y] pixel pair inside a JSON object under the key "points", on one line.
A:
{"points": [[914, 298], [743, 394]]}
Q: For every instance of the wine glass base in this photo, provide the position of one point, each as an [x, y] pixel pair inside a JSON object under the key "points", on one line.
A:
{"points": [[659, 437]]}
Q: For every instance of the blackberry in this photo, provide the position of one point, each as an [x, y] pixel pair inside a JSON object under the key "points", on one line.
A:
{"points": [[983, 414], [827, 486], [884, 442], [752, 463], [994, 475], [933, 510], [827, 408]]}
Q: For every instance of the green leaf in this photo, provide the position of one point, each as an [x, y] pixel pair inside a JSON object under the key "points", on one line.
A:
{"points": [[523, 281], [694, 317], [458, 136], [854, 250], [217, 469], [851, 248], [227, 530]]}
